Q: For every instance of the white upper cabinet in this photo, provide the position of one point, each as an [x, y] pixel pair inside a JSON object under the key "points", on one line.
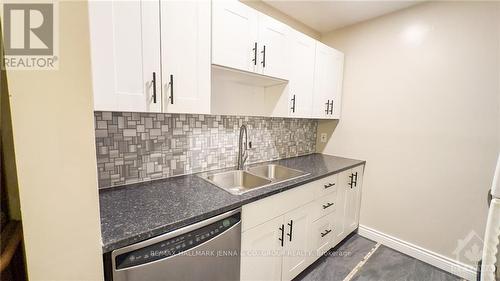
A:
{"points": [[301, 62], [247, 40], [125, 55], [244, 39], [185, 56], [208, 57], [328, 74], [234, 35], [273, 47]]}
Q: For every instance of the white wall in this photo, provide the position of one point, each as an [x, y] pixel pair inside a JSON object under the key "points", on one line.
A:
{"points": [[421, 106], [53, 131]]}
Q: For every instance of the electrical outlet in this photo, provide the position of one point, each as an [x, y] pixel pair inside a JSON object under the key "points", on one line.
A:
{"points": [[323, 137]]}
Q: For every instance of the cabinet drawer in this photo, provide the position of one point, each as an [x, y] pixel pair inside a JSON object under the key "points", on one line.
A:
{"points": [[321, 234], [325, 186], [324, 205], [268, 208]]}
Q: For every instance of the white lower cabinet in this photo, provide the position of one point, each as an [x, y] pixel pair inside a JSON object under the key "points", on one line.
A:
{"points": [[296, 244], [320, 236], [283, 234], [348, 202], [353, 191], [342, 198], [261, 251], [277, 249], [324, 205]]}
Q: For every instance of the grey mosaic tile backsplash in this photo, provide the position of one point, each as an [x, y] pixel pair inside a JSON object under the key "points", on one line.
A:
{"points": [[135, 147]]}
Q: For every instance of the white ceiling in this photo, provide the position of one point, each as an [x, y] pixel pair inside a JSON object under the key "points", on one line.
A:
{"points": [[327, 15]]}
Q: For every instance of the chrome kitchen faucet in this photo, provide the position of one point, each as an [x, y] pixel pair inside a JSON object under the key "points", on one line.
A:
{"points": [[242, 148]]}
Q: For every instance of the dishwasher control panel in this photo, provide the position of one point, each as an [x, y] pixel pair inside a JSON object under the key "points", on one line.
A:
{"points": [[176, 245]]}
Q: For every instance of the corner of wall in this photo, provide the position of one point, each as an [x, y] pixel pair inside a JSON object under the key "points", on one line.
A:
{"points": [[325, 127], [8, 163], [52, 132]]}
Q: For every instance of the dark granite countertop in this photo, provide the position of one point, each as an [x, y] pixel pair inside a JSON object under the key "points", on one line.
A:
{"points": [[140, 211]]}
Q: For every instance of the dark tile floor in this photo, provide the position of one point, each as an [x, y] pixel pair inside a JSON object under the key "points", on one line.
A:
{"points": [[338, 262], [384, 265]]}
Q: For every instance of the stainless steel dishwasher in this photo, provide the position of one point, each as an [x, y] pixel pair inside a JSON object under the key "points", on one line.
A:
{"points": [[207, 250]]}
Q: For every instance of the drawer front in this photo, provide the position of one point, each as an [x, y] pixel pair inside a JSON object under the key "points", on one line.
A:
{"points": [[322, 232], [325, 186], [268, 208], [324, 205]]}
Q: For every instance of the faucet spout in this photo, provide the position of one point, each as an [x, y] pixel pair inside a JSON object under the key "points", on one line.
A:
{"points": [[242, 147]]}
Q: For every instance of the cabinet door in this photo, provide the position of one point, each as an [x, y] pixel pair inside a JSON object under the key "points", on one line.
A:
{"points": [[297, 244], [185, 54], [327, 82], [301, 61], [350, 208], [125, 52], [340, 214], [234, 35], [354, 198], [338, 74], [273, 47], [353, 191], [261, 251]]}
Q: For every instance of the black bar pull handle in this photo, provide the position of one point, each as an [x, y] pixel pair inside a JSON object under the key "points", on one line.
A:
{"points": [[290, 224], [329, 185], [254, 53], [153, 84], [331, 108], [356, 179], [171, 83], [327, 106], [326, 232], [327, 205], [282, 229], [264, 56], [293, 104], [351, 182]]}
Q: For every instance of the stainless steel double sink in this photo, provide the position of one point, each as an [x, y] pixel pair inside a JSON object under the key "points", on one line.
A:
{"points": [[240, 181]]}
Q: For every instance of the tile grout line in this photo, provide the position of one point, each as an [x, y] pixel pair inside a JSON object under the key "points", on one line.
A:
{"points": [[361, 263]]}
